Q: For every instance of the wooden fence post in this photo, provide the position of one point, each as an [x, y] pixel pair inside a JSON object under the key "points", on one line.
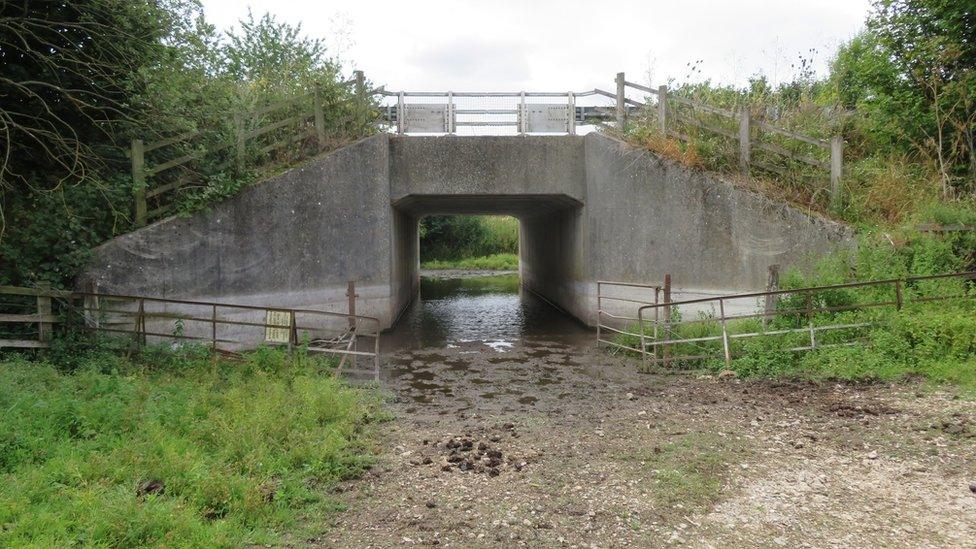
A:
{"points": [[772, 284], [319, 116], [621, 101], [139, 181], [836, 171], [360, 95], [239, 135], [44, 329], [744, 141], [662, 110]]}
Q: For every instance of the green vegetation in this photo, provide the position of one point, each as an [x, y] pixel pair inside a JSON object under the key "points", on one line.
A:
{"points": [[935, 341], [903, 96], [689, 471], [494, 262], [170, 449], [84, 77], [469, 242]]}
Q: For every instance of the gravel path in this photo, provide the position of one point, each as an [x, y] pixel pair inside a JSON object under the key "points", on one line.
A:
{"points": [[550, 445]]}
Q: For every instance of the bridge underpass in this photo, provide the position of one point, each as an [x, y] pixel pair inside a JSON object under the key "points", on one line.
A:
{"points": [[591, 208]]}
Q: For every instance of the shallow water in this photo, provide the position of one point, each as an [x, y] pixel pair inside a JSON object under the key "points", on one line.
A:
{"points": [[491, 310]]}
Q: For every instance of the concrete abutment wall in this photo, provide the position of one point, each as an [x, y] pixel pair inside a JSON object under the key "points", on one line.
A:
{"points": [[589, 207]]}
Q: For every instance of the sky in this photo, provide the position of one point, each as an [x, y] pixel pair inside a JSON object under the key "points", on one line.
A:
{"points": [[510, 45]]}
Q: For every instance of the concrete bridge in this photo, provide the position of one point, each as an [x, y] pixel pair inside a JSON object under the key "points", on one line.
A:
{"points": [[590, 208]]}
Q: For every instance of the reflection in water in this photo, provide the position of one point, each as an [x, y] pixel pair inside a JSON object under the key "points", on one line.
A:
{"points": [[490, 309]]}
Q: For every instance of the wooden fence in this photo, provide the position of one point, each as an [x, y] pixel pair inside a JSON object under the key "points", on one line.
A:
{"points": [[255, 133], [749, 133], [30, 313], [695, 330], [226, 328]]}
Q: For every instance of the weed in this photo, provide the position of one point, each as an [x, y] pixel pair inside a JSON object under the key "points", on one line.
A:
{"points": [[163, 450]]}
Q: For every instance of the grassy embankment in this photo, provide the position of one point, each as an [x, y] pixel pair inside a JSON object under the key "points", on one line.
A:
{"points": [[167, 449]]}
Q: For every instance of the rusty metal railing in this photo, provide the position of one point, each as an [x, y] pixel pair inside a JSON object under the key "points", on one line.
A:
{"points": [[226, 328], [666, 344]]}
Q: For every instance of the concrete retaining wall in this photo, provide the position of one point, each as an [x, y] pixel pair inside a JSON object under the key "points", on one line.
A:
{"points": [[590, 208], [293, 241]]}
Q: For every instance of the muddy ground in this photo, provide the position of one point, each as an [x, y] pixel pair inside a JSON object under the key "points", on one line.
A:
{"points": [[550, 445]]}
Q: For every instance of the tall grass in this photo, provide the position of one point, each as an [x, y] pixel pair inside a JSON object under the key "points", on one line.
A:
{"points": [[169, 450]]}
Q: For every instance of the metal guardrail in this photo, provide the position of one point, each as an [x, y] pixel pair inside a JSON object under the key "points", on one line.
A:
{"points": [[224, 327], [665, 344], [604, 317]]}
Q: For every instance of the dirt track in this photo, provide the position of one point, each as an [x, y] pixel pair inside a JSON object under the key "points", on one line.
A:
{"points": [[549, 445]]}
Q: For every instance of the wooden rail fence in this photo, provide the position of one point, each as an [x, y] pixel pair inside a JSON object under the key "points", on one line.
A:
{"points": [[264, 129], [748, 134]]}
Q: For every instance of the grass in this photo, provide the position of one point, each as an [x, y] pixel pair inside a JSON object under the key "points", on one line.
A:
{"points": [[689, 471], [168, 449], [494, 262]]}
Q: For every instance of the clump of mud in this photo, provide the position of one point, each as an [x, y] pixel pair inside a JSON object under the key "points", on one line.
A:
{"points": [[479, 453]]}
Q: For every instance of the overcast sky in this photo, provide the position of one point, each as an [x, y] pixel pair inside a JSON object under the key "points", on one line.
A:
{"points": [[510, 45]]}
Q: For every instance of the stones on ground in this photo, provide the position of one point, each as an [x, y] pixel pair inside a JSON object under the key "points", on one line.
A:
{"points": [[972, 487], [471, 454]]}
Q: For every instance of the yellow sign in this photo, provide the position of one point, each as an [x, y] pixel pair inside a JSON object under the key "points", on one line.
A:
{"points": [[278, 327]]}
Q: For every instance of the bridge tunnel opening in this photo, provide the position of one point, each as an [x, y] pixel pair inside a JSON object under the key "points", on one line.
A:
{"points": [[537, 301]]}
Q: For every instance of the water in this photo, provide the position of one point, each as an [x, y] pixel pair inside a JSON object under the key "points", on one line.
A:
{"points": [[492, 311]]}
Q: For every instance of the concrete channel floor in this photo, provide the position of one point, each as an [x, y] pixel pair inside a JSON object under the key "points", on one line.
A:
{"points": [[550, 444]]}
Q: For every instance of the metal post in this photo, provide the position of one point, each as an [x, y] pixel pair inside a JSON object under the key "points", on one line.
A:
{"points": [[836, 171], [319, 116], [657, 314], [772, 284], [813, 336], [521, 114], [450, 112], [45, 329], [400, 109], [643, 344], [599, 312], [621, 101], [744, 144], [571, 123], [239, 134], [139, 181], [376, 354], [351, 296], [725, 335], [662, 110], [898, 297], [667, 318]]}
